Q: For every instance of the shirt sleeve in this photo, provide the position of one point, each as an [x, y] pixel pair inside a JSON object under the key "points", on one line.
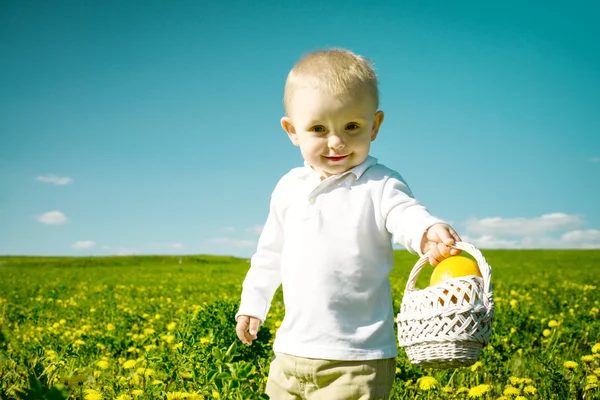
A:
{"points": [[264, 276], [405, 218]]}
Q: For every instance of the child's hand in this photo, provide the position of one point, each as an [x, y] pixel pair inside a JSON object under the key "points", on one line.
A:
{"points": [[247, 328], [437, 239]]}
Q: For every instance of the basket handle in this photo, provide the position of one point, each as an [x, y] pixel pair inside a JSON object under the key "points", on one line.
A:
{"points": [[484, 267]]}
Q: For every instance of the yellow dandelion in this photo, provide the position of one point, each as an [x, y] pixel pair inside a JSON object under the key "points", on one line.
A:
{"points": [[215, 394], [204, 340], [462, 390], [157, 382], [427, 383], [129, 364], [79, 342], [102, 364], [169, 338], [194, 396], [597, 372], [479, 390], [596, 348], [171, 326], [447, 389], [145, 371], [530, 390], [91, 394], [477, 365], [110, 327], [513, 303], [520, 398], [397, 370], [590, 386], [123, 397], [587, 359], [591, 379], [553, 323], [137, 392], [546, 332], [570, 365], [186, 375], [176, 395], [511, 391]]}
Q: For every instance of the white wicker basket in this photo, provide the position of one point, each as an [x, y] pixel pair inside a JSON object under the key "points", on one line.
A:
{"points": [[447, 325]]}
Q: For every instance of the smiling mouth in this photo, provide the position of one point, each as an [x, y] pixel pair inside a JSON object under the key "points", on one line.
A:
{"points": [[336, 158]]}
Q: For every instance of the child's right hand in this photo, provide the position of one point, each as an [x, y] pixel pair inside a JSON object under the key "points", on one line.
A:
{"points": [[247, 328]]}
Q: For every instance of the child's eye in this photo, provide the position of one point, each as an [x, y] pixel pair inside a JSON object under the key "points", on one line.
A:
{"points": [[318, 129], [352, 126]]}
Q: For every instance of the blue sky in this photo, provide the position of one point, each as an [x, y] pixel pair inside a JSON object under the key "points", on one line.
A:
{"points": [[153, 127]]}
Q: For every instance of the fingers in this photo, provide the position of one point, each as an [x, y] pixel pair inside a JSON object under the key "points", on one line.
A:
{"points": [[243, 322], [247, 329], [441, 237]]}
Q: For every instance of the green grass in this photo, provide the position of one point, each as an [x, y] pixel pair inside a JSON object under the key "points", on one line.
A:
{"points": [[151, 327]]}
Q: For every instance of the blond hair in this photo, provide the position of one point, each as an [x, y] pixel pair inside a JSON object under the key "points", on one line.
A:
{"points": [[335, 70]]}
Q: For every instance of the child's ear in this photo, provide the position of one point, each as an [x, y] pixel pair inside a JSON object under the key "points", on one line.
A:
{"points": [[288, 127], [377, 121]]}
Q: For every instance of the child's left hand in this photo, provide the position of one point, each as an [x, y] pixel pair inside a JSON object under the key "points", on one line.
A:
{"points": [[437, 239]]}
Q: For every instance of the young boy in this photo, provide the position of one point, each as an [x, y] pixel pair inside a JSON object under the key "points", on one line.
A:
{"points": [[328, 240]]}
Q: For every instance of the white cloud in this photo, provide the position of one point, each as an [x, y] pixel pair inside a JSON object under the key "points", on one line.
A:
{"points": [[53, 218], [497, 226], [550, 231], [255, 229], [57, 180], [84, 244], [127, 252], [232, 242], [227, 229], [595, 159], [490, 242]]}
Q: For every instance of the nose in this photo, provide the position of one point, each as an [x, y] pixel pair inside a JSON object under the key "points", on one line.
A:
{"points": [[335, 142]]}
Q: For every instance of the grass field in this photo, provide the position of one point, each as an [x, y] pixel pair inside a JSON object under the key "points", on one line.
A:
{"points": [[162, 327]]}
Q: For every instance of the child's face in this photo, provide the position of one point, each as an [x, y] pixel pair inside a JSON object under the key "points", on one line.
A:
{"points": [[334, 133]]}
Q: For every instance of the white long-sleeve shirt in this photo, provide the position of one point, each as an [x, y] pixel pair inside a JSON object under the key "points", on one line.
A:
{"points": [[329, 243]]}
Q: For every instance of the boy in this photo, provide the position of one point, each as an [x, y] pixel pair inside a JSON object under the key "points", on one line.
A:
{"points": [[328, 240]]}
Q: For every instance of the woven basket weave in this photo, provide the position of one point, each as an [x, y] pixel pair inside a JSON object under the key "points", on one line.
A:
{"points": [[447, 325]]}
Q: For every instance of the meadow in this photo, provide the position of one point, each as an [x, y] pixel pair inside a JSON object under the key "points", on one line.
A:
{"points": [[162, 327]]}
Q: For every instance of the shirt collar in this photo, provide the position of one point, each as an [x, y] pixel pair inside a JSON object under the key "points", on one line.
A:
{"points": [[357, 171]]}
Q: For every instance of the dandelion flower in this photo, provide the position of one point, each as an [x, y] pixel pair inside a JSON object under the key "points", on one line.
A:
{"points": [[587, 359], [110, 327], [215, 394], [462, 390], [591, 379], [102, 364], [129, 364], [204, 340], [176, 395], [546, 332], [91, 394], [479, 390], [513, 303], [477, 365], [570, 365], [530, 390], [520, 398], [596, 348], [171, 326], [123, 397], [427, 383], [590, 386], [511, 391], [137, 392], [186, 375], [553, 323]]}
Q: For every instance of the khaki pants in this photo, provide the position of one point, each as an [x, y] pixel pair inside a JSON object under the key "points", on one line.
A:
{"points": [[292, 377]]}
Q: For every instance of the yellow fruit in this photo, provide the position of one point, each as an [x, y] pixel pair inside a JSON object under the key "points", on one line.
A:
{"points": [[454, 267]]}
